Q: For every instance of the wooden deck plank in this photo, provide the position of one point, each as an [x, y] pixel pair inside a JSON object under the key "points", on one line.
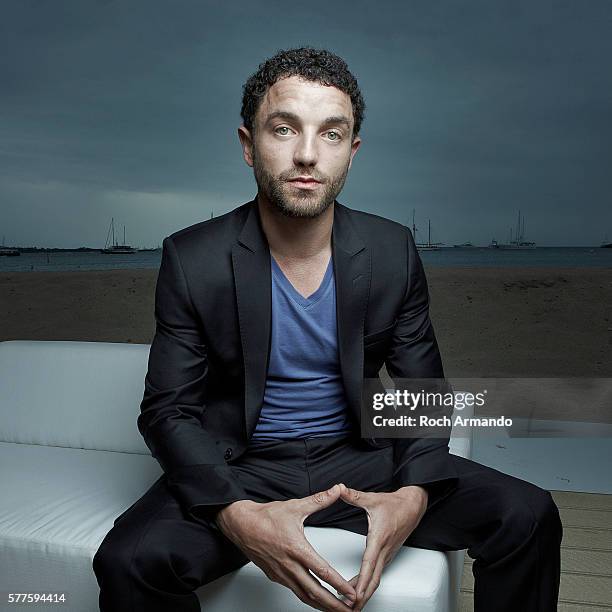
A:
{"points": [[591, 501], [586, 538], [586, 517], [581, 607], [466, 604], [575, 588], [596, 562]]}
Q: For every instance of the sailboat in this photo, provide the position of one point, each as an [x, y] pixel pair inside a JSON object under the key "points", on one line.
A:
{"points": [[115, 248], [425, 246], [519, 242], [8, 251]]}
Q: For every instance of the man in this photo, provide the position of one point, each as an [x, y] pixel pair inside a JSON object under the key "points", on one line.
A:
{"points": [[269, 318]]}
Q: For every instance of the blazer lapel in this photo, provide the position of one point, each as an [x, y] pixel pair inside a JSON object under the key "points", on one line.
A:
{"points": [[352, 270], [252, 278], [253, 283]]}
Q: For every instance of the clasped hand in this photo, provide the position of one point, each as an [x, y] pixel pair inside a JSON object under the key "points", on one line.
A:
{"points": [[272, 536]]}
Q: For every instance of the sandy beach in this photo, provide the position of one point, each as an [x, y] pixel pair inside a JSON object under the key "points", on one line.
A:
{"points": [[545, 322]]}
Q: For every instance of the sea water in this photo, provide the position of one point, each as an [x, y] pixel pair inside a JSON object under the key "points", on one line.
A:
{"points": [[445, 257]]}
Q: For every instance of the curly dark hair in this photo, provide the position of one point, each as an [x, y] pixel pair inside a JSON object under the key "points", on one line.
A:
{"points": [[317, 65]]}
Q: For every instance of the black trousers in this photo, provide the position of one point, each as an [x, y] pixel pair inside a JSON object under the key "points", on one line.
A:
{"points": [[156, 555]]}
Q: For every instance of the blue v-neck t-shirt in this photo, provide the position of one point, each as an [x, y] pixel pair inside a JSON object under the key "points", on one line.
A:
{"points": [[304, 395]]}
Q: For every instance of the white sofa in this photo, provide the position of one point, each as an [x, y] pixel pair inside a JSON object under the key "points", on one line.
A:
{"points": [[72, 459]]}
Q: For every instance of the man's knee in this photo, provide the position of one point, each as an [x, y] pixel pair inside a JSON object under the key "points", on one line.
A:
{"points": [[112, 559], [123, 563], [546, 513], [533, 509], [111, 566]]}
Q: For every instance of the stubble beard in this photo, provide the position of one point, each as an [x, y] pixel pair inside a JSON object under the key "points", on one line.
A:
{"points": [[293, 202]]}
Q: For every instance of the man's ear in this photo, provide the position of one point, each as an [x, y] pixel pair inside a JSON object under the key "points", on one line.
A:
{"points": [[354, 146], [246, 140]]}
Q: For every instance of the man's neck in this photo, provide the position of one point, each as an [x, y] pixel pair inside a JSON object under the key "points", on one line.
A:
{"points": [[296, 238]]}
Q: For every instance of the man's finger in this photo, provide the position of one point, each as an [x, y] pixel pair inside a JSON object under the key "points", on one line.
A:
{"points": [[369, 561], [321, 568], [296, 587], [317, 501], [352, 582], [311, 592], [371, 586], [354, 496]]}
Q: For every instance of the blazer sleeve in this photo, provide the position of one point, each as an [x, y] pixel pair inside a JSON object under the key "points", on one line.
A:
{"points": [[174, 399], [414, 353]]}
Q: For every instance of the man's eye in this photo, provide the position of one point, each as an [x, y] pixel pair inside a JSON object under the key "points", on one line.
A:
{"points": [[336, 135], [282, 128]]}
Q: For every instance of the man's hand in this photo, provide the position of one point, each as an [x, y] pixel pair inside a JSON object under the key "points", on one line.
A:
{"points": [[392, 517], [272, 536]]}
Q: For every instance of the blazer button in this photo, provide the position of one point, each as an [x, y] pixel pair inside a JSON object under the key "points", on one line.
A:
{"points": [[228, 454]]}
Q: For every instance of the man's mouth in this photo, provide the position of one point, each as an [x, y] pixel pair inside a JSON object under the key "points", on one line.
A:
{"points": [[304, 182]]}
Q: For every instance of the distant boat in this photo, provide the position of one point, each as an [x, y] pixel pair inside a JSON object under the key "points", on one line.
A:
{"points": [[463, 245], [606, 245], [519, 242], [425, 246], [115, 248], [8, 251], [157, 248]]}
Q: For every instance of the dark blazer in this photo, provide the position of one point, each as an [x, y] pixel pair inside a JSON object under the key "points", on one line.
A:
{"points": [[208, 360]]}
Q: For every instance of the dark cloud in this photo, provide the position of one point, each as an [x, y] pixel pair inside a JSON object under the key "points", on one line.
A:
{"points": [[474, 110]]}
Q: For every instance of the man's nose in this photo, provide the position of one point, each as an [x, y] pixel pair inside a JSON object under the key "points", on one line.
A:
{"points": [[305, 153]]}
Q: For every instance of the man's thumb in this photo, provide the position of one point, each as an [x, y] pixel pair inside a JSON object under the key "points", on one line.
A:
{"points": [[322, 499], [354, 497]]}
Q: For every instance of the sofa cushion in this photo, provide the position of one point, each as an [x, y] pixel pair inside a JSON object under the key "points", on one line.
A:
{"points": [[57, 504], [75, 394]]}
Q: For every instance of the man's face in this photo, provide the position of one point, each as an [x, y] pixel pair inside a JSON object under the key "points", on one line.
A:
{"points": [[302, 129]]}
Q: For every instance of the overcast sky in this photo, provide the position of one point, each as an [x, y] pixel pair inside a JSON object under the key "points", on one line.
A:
{"points": [[474, 110]]}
